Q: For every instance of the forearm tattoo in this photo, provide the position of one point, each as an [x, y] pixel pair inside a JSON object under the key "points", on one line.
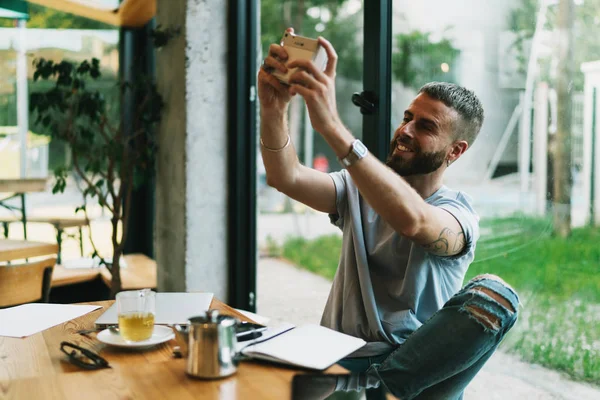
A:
{"points": [[448, 243]]}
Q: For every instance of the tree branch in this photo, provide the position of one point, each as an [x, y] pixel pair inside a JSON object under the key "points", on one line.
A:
{"points": [[136, 134], [101, 197], [102, 125], [127, 205]]}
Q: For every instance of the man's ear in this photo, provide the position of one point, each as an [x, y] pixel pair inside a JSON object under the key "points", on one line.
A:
{"points": [[457, 150]]}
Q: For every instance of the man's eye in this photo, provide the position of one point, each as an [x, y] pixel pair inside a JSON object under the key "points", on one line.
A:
{"points": [[426, 127], [406, 120]]}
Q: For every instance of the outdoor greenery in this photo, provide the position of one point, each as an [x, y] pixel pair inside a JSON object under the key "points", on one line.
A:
{"points": [[557, 280], [44, 17], [417, 59], [107, 85], [313, 18]]}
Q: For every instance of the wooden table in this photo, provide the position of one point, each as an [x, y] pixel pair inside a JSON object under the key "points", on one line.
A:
{"points": [[19, 249], [22, 185], [18, 188], [140, 273], [35, 368]]}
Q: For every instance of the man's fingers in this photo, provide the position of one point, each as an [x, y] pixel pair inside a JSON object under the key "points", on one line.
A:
{"points": [[308, 66], [331, 56], [271, 80], [272, 63], [304, 79], [278, 51], [280, 87], [301, 90]]}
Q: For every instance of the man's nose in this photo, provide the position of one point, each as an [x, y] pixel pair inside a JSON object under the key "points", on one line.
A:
{"points": [[404, 130]]}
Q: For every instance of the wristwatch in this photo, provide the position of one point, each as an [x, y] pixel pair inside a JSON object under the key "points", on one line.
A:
{"points": [[357, 151]]}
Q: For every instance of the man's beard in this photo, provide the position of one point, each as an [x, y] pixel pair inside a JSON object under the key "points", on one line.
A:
{"points": [[419, 164]]}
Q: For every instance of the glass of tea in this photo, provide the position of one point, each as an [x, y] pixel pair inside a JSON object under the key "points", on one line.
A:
{"points": [[136, 309]]}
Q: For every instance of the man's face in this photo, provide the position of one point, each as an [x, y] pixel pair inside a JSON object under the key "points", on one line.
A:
{"points": [[422, 142]]}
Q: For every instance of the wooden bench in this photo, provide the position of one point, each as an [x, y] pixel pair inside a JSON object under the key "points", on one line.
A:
{"points": [[59, 224], [140, 273]]}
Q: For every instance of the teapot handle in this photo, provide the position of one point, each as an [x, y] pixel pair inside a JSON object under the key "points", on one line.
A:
{"points": [[182, 337]]}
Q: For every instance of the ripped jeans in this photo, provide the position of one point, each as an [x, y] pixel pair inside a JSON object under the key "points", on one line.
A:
{"points": [[439, 359]]}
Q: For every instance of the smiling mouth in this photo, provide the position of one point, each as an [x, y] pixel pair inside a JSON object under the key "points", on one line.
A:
{"points": [[401, 147]]}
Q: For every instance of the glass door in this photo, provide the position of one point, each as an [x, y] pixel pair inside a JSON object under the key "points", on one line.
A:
{"points": [[298, 247], [530, 171]]}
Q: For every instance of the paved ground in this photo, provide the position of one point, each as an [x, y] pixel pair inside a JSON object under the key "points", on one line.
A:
{"points": [[286, 290]]}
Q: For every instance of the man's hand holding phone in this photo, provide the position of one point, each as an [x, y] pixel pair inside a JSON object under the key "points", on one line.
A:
{"points": [[300, 48], [276, 72], [273, 95], [317, 87]]}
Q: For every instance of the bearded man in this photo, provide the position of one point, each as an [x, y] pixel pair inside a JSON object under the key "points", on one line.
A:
{"points": [[407, 238]]}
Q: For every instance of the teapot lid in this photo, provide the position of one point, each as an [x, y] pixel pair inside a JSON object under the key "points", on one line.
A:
{"points": [[213, 317]]}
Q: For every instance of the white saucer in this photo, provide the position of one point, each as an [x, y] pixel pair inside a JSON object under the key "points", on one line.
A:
{"points": [[161, 334]]}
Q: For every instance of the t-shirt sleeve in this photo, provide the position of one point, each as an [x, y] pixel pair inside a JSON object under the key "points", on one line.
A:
{"points": [[460, 206], [339, 181]]}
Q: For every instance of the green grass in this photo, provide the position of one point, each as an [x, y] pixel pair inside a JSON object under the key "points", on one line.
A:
{"points": [[558, 281], [320, 255]]}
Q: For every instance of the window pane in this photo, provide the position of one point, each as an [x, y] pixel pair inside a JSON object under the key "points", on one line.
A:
{"points": [[56, 36], [286, 228], [535, 141]]}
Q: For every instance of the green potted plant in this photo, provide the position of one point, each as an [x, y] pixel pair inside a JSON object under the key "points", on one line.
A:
{"points": [[109, 162]]}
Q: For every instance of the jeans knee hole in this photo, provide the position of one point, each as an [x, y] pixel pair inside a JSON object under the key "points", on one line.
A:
{"points": [[496, 296], [483, 317]]}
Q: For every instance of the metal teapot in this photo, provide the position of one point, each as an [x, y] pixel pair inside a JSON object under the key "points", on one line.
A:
{"points": [[209, 343]]}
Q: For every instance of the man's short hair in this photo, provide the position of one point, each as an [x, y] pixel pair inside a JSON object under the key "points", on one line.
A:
{"points": [[464, 101]]}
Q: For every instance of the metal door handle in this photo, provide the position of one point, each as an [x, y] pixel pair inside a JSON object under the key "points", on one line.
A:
{"points": [[365, 101]]}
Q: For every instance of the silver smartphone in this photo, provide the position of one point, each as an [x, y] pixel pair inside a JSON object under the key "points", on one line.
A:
{"points": [[300, 47]]}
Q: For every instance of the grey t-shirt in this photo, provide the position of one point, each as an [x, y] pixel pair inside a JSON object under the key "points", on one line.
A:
{"points": [[387, 286]]}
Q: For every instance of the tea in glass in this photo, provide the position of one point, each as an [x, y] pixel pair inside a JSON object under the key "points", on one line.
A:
{"points": [[136, 309], [136, 326]]}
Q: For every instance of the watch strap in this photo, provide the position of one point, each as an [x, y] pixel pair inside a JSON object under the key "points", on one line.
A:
{"points": [[357, 152]]}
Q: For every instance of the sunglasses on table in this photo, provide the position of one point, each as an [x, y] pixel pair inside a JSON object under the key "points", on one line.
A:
{"points": [[83, 358]]}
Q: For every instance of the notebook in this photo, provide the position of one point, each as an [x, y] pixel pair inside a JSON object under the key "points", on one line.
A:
{"points": [[308, 346], [171, 308]]}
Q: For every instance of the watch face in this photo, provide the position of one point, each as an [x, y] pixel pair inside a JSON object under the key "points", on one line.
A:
{"points": [[359, 148]]}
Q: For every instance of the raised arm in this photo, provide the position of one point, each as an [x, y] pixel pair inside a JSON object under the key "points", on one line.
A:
{"points": [[390, 195], [284, 171]]}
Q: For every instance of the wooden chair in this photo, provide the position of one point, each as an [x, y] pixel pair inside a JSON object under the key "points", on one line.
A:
{"points": [[25, 283]]}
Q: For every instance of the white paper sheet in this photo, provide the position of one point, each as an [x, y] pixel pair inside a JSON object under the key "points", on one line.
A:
{"points": [[307, 346], [27, 319]]}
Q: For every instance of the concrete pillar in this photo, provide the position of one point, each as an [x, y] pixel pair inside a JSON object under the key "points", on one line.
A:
{"points": [[591, 168], [191, 187]]}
